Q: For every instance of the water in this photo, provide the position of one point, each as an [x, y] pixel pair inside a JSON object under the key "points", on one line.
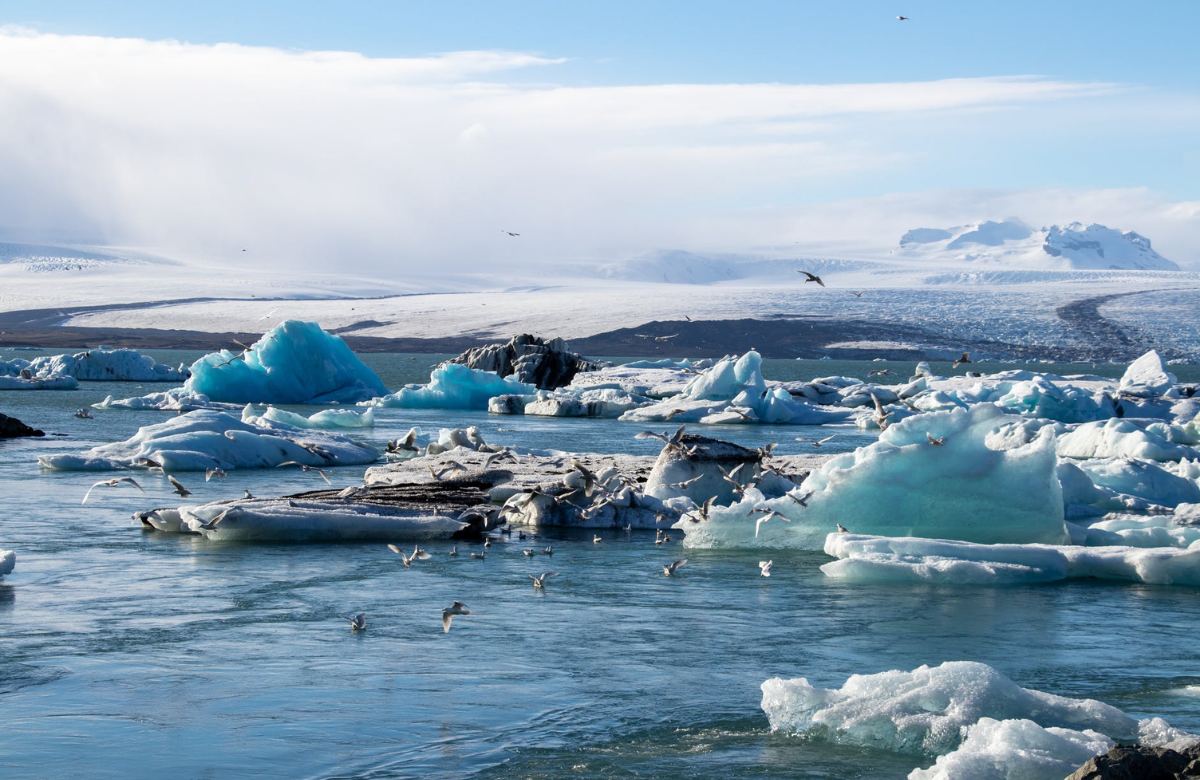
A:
{"points": [[133, 654]]}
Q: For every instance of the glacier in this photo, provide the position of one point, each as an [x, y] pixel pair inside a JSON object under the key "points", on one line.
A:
{"points": [[293, 363], [206, 439]]}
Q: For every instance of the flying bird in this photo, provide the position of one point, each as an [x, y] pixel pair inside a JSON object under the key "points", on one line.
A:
{"points": [[358, 622], [305, 468], [902, 18], [179, 488], [811, 278], [859, 294], [937, 441], [209, 525], [817, 442], [670, 568], [764, 568], [457, 608], [966, 358], [111, 483], [509, 232], [215, 471]]}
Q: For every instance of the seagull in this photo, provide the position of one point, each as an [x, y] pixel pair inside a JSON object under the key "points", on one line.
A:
{"points": [[902, 18], [528, 553], [670, 414], [596, 539], [453, 551], [150, 464], [666, 338], [450, 469], [859, 294], [84, 414], [267, 316], [417, 555], [509, 232], [769, 513], [811, 278], [879, 372], [208, 525], [179, 488], [539, 583], [937, 441], [248, 494], [670, 568], [548, 551], [705, 507], [408, 443], [765, 568], [841, 529], [816, 443], [881, 415], [479, 556], [457, 608], [358, 622], [684, 484], [111, 483], [305, 468], [802, 500], [966, 358], [215, 471], [487, 541]]}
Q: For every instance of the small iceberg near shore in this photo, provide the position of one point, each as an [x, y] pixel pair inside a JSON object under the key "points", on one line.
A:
{"points": [[205, 439]]}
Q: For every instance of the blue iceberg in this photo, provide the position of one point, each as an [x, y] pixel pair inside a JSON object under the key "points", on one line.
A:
{"points": [[454, 386]]}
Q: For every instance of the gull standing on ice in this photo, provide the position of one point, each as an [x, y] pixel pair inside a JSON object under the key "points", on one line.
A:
{"points": [[457, 608], [111, 483], [841, 528]]}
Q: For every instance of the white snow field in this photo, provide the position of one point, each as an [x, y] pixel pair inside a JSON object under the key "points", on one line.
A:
{"points": [[293, 363], [206, 439], [980, 724], [8, 561]]}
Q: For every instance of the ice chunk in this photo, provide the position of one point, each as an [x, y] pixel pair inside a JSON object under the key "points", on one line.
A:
{"points": [[108, 365], [293, 363], [925, 710], [306, 520], [659, 379], [1146, 376], [52, 382], [1120, 439], [454, 386], [1160, 484], [904, 484], [327, 418], [171, 401], [8, 561], [204, 439], [883, 559], [1015, 750]]}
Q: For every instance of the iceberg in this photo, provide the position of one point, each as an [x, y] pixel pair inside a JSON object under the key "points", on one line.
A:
{"points": [[1165, 484], [1146, 376], [1015, 750], [453, 386], [945, 562], [108, 365], [30, 382], [293, 363], [8, 561], [169, 401], [547, 364], [206, 439], [974, 487], [326, 418], [1121, 439]]}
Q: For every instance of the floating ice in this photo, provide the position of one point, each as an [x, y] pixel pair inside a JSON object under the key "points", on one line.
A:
{"points": [[327, 418], [655, 379], [453, 386], [905, 485], [293, 363], [107, 365], [1121, 439], [944, 562], [170, 401], [925, 710], [1015, 750], [8, 561], [54, 382], [204, 439], [1146, 376], [306, 520], [1166, 484]]}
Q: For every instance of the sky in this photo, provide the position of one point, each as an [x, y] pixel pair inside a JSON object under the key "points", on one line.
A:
{"points": [[403, 137]]}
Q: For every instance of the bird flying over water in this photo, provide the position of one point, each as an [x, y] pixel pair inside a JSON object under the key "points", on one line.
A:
{"points": [[457, 608], [539, 583], [966, 358], [179, 488], [671, 568], [811, 277], [111, 483], [764, 568]]}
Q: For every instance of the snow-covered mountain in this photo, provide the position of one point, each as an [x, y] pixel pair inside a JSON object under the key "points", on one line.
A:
{"points": [[1013, 243]]}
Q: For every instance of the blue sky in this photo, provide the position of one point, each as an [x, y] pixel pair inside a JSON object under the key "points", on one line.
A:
{"points": [[619, 115]]}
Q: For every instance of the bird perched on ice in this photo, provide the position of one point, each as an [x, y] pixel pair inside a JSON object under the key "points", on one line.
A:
{"points": [[84, 414], [358, 622], [764, 568], [841, 529], [111, 483], [539, 583], [457, 608], [671, 568], [966, 358], [811, 278], [179, 488]]}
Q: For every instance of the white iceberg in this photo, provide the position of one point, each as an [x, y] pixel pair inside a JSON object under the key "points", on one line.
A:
{"points": [[170, 401], [946, 562], [1016, 750], [30, 382], [293, 363], [1146, 376], [206, 439], [8, 561], [108, 365], [1164, 484], [1121, 439], [973, 486], [453, 386], [307, 520], [333, 419]]}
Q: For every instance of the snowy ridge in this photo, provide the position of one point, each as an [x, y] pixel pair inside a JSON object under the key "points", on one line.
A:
{"points": [[1012, 242], [679, 267], [44, 258]]}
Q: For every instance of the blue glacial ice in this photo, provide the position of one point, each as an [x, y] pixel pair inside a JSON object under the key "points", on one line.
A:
{"points": [[975, 487], [331, 419], [205, 439], [454, 386], [863, 558], [293, 363], [1125, 439], [8, 561]]}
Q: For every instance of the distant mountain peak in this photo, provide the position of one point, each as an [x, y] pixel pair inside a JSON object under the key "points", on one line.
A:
{"points": [[1013, 243]]}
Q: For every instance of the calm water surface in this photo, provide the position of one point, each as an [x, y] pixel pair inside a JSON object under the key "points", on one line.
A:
{"points": [[133, 654]]}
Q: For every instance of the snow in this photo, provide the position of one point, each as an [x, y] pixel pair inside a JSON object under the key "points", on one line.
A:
{"points": [[925, 710], [106, 365], [8, 561], [295, 362], [864, 558], [1015, 750], [1012, 243], [903, 485], [205, 439], [453, 386], [326, 418]]}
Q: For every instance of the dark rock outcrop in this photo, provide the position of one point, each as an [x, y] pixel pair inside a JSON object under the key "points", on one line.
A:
{"points": [[12, 428], [1137, 762], [530, 359]]}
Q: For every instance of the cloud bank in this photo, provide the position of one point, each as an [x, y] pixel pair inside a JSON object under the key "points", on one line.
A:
{"points": [[415, 165]]}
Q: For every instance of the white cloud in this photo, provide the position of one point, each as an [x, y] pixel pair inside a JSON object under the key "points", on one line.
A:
{"points": [[407, 164]]}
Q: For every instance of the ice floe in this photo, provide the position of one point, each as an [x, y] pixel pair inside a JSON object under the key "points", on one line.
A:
{"points": [[170, 401], [293, 363], [8, 561], [107, 365], [30, 382], [1015, 750], [333, 419], [206, 439], [453, 386]]}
